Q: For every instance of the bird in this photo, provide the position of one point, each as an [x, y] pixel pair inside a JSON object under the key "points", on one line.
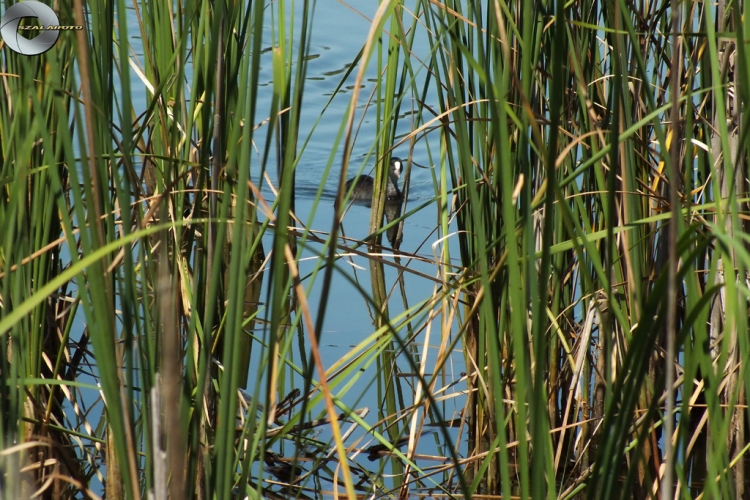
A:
{"points": [[364, 183]]}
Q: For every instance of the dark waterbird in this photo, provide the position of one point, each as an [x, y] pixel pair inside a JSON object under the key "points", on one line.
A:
{"points": [[364, 183]]}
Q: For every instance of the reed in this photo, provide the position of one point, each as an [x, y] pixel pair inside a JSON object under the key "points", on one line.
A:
{"points": [[589, 259]]}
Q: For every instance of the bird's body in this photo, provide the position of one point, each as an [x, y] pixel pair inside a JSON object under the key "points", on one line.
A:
{"points": [[364, 184]]}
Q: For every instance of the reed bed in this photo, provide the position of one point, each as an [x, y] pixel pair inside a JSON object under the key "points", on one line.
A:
{"points": [[589, 259]]}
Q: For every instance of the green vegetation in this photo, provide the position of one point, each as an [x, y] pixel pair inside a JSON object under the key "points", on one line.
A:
{"points": [[589, 169]]}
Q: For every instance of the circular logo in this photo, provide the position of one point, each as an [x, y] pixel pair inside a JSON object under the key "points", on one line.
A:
{"points": [[17, 43]]}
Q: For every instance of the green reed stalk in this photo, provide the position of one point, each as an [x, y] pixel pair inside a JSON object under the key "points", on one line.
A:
{"points": [[132, 254]]}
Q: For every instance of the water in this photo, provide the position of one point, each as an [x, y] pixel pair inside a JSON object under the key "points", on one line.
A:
{"points": [[338, 34]]}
